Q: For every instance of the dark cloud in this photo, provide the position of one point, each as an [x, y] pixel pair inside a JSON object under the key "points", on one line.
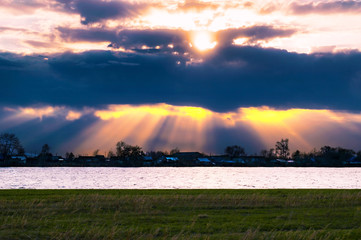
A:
{"points": [[95, 11], [254, 33], [135, 39], [229, 78], [326, 7], [128, 39]]}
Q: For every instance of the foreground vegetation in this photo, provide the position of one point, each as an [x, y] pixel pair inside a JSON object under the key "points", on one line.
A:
{"points": [[180, 214]]}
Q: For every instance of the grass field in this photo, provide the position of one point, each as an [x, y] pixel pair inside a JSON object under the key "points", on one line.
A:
{"points": [[180, 214]]}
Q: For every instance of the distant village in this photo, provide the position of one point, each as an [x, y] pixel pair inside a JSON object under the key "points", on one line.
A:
{"points": [[126, 155]]}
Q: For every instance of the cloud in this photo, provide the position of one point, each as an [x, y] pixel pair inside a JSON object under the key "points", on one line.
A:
{"points": [[179, 39], [254, 33], [92, 11], [225, 79], [326, 7], [40, 44], [41, 112], [128, 39], [22, 7], [196, 5]]}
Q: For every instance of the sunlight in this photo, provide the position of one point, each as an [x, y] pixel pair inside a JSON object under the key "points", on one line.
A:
{"points": [[163, 126], [268, 115], [297, 124], [203, 40], [172, 126], [39, 112]]}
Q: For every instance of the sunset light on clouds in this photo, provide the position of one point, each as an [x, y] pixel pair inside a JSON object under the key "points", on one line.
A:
{"points": [[200, 75]]}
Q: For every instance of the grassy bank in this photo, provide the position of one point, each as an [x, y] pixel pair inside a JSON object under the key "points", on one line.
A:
{"points": [[180, 214]]}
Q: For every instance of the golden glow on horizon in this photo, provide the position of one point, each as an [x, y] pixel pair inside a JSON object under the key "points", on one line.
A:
{"points": [[271, 124], [190, 128], [174, 126], [163, 126]]}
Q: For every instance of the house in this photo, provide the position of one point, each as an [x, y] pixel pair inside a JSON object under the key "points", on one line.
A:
{"points": [[116, 161], [254, 161], [169, 159], [188, 158], [205, 162], [223, 161], [91, 159], [18, 159], [57, 159], [353, 161], [283, 162], [148, 161]]}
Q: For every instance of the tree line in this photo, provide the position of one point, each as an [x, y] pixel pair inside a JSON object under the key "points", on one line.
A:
{"points": [[133, 155]]}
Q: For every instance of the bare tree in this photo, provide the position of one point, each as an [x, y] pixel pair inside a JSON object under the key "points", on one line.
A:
{"points": [[264, 153], [234, 151], [282, 149], [126, 150], [45, 154], [174, 151], [96, 152], [110, 154], [10, 145], [69, 156]]}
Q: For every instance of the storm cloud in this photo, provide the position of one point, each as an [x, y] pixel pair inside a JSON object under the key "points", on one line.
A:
{"points": [[179, 39], [95, 11], [128, 39], [254, 33], [229, 78]]}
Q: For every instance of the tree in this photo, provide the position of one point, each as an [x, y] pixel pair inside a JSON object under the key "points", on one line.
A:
{"points": [[45, 154], [45, 149], [111, 154], [155, 155], [174, 151], [282, 149], [264, 153], [127, 151], [296, 155], [10, 145], [69, 156], [96, 152], [331, 156], [234, 151]]}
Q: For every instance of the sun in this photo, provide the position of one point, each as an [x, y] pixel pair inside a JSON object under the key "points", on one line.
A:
{"points": [[203, 41]]}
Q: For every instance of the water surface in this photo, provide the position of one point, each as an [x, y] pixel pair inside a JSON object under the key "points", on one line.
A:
{"points": [[183, 178]]}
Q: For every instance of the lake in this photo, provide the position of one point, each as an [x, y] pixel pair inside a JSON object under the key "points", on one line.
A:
{"points": [[178, 178]]}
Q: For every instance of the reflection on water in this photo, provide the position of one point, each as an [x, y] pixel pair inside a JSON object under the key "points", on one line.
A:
{"points": [[183, 178]]}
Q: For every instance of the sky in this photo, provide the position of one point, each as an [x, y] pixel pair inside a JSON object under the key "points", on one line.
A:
{"points": [[81, 75]]}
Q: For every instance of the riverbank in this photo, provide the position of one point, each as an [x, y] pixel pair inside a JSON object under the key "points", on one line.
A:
{"points": [[180, 214]]}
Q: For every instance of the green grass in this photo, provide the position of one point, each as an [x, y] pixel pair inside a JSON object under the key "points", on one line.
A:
{"points": [[180, 214]]}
